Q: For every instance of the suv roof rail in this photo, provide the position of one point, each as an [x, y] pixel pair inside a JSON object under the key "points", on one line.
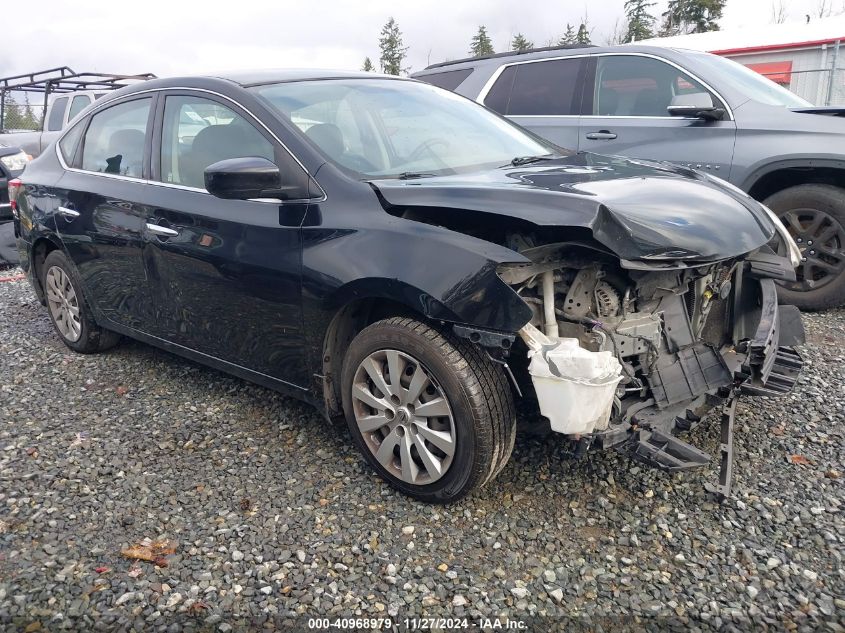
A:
{"points": [[562, 47], [65, 79]]}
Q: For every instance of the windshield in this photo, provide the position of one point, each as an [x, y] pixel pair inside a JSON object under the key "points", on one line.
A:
{"points": [[751, 84], [384, 128]]}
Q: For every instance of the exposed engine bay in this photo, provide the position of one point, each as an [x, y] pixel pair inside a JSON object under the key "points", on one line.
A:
{"points": [[684, 337]]}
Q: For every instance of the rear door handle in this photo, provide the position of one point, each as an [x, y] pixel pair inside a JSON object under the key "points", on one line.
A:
{"points": [[163, 231], [68, 214], [601, 135]]}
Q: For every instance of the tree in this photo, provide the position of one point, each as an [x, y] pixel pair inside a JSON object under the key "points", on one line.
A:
{"points": [[779, 12], [392, 51], [583, 36], [692, 16], [569, 37], [520, 44], [481, 43], [368, 66], [617, 33], [640, 21]]}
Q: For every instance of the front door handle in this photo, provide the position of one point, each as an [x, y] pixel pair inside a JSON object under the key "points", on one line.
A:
{"points": [[68, 214], [163, 231], [601, 135]]}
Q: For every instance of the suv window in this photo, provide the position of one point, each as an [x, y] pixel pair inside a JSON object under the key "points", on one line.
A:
{"points": [[78, 105], [545, 88], [629, 85], [448, 80], [114, 142], [57, 114], [198, 132]]}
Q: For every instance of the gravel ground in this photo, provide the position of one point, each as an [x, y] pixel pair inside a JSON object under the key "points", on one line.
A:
{"points": [[273, 514]]}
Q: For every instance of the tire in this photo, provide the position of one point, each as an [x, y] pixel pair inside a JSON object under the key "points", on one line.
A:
{"points": [[479, 411], [815, 216], [74, 324]]}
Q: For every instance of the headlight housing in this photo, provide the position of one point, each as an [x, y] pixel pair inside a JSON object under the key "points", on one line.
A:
{"points": [[15, 162]]}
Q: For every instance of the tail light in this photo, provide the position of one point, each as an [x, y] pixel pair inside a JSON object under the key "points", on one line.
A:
{"points": [[15, 186]]}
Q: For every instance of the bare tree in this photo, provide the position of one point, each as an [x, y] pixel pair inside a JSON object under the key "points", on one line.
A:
{"points": [[617, 33], [779, 12], [824, 8]]}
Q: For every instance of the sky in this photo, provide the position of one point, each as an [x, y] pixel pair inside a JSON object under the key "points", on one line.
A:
{"points": [[184, 37]]}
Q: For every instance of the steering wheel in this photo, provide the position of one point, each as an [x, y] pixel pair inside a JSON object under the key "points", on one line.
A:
{"points": [[426, 146]]}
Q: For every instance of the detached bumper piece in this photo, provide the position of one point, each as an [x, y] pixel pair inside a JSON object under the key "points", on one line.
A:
{"points": [[667, 452], [782, 377]]}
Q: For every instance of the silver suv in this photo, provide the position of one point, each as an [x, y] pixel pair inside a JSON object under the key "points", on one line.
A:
{"points": [[692, 109]]}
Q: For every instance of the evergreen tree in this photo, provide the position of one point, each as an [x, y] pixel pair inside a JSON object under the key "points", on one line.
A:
{"points": [[692, 16], [583, 36], [392, 51], [640, 21], [520, 44], [569, 37], [481, 43], [368, 66]]}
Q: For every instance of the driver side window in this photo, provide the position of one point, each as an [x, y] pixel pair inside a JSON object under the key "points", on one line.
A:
{"points": [[199, 132], [630, 85]]}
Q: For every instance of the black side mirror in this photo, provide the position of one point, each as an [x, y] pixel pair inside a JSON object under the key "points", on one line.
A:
{"points": [[243, 178], [698, 105]]}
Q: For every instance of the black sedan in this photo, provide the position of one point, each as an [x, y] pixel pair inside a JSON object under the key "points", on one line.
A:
{"points": [[402, 257]]}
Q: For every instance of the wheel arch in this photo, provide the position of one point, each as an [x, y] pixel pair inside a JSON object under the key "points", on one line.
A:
{"points": [[41, 247], [780, 175]]}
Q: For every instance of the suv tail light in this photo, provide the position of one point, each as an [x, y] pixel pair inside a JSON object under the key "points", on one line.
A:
{"points": [[15, 185]]}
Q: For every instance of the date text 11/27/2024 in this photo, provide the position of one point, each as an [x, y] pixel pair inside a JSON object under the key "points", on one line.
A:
{"points": [[417, 624]]}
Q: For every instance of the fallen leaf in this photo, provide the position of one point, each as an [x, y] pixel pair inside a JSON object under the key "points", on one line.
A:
{"points": [[324, 502], [197, 607], [153, 552], [121, 390], [33, 626], [135, 572], [286, 590], [32, 451], [246, 504], [102, 570], [778, 430], [833, 474], [800, 460]]}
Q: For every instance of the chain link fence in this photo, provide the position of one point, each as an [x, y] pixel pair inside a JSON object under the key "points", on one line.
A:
{"points": [[20, 112]]}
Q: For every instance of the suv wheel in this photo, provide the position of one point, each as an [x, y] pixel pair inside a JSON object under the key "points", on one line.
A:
{"points": [[815, 216], [431, 413], [68, 310]]}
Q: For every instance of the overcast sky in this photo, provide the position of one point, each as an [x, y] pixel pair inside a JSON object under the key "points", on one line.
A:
{"points": [[174, 37]]}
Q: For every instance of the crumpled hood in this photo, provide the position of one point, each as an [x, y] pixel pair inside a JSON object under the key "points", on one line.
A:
{"points": [[639, 209]]}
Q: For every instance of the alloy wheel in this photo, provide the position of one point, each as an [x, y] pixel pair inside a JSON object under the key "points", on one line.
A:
{"points": [[63, 303], [822, 242], [404, 416]]}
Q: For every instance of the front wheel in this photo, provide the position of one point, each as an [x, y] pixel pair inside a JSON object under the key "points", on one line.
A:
{"points": [[815, 216], [432, 414]]}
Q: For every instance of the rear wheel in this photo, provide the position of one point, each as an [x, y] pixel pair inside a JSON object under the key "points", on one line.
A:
{"points": [[815, 216], [69, 313], [432, 414]]}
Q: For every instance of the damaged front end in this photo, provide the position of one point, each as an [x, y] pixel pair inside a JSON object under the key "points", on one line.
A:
{"points": [[628, 354]]}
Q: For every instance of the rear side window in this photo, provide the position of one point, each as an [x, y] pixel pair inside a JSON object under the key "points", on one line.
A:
{"points": [[448, 80], [69, 143], [78, 105], [114, 142], [546, 88], [57, 115]]}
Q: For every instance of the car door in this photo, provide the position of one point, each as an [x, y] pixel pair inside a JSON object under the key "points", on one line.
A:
{"points": [[542, 95], [226, 273], [101, 212], [626, 114]]}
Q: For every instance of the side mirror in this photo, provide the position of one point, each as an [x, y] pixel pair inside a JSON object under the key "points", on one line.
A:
{"points": [[243, 178], [697, 104]]}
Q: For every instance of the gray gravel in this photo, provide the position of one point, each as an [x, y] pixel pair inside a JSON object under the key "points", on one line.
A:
{"points": [[273, 514]]}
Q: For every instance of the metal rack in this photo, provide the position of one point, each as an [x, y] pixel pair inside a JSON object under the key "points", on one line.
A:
{"points": [[62, 79]]}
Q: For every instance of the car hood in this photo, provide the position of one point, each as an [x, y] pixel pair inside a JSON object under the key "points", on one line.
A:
{"points": [[641, 210]]}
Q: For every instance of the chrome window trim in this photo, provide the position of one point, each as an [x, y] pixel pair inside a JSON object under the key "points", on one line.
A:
{"points": [[159, 183], [489, 85]]}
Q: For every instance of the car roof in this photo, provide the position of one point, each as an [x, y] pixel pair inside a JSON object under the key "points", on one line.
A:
{"points": [[498, 59]]}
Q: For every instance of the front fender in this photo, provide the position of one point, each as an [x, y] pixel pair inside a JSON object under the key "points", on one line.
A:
{"points": [[438, 273]]}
